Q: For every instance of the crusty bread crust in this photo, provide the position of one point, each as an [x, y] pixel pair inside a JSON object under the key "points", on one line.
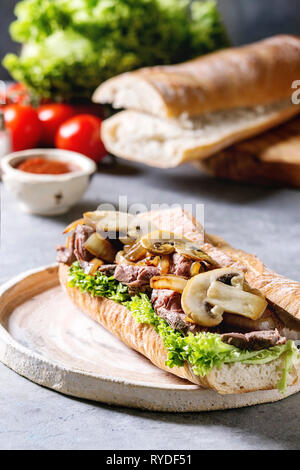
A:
{"points": [[259, 73], [230, 378]]}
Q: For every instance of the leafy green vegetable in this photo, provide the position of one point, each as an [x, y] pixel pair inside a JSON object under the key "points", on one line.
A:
{"points": [[73, 45], [99, 285], [203, 351], [291, 356]]}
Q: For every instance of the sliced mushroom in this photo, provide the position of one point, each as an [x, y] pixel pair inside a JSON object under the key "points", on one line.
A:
{"points": [[164, 263], [169, 281], [238, 282], [154, 261], [135, 253], [159, 242], [191, 251], [208, 295], [120, 258], [195, 268], [150, 261], [100, 247], [166, 243], [233, 300], [119, 225]]}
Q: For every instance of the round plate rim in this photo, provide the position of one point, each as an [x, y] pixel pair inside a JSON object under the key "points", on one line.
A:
{"points": [[4, 334]]}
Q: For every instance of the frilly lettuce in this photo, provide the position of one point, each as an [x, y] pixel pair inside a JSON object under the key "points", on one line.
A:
{"points": [[203, 351], [99, 285], [76, 44]]}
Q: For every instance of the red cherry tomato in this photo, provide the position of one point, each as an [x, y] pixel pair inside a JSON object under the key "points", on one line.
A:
{"points": [[82, 134], [24, 124], [52, 116]]}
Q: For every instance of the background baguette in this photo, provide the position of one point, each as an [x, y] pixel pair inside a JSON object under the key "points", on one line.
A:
{"points": [[272, 158], [256, 74], [230, 378], [167, 143]]}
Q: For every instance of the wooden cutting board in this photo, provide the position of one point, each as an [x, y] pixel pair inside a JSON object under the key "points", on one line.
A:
{"points": [[47, 340], [270, 158]]}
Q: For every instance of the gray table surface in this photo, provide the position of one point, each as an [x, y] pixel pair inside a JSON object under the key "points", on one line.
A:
{"points": [[263, 221]]}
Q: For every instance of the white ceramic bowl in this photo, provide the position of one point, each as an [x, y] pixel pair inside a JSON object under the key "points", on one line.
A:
{"points": [[47, 194]]}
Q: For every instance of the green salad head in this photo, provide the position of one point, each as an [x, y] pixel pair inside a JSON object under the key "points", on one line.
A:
{"points": [[71, 46], [203, 351]]}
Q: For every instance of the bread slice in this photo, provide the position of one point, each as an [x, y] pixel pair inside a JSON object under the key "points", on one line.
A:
{"points": [[167, 143], [230, 378], [257, 74]]}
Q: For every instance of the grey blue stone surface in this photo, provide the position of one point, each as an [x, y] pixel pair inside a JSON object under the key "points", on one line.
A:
{"points": [[264, 221]]}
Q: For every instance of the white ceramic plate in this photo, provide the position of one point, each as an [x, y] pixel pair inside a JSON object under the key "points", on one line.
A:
{"points": [[46, 339]]}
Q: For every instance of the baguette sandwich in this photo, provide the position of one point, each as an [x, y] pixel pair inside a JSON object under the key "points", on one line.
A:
{"points": [[189, 302], [174, 114]]}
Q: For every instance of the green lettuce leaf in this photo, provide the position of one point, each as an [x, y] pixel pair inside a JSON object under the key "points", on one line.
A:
{"points": [[76, 44], [99, 285], [203, 351]]}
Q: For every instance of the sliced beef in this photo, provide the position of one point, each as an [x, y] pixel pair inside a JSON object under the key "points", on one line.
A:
{"points": [[108, 269], [167, 304], [82, 233], [76, 250], [136, 277], [65, 254], [180, 266], [254, 341]]}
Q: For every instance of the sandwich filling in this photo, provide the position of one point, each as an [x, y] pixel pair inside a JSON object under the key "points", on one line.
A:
{"points": [[206, 315]]}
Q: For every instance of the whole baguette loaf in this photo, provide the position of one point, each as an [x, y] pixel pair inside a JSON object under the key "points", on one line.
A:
{"points": [[230, 378], [256, 74], [272, 158]]}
